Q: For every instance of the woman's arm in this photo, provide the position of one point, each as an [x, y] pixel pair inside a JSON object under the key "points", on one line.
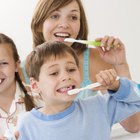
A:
{"points": [[132, 124]]}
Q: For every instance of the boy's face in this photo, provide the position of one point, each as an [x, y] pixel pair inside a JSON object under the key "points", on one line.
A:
{"points": [[58, 76]]}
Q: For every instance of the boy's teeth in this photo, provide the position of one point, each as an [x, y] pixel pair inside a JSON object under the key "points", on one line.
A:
{"points": [[0, 81], [65, 89]]}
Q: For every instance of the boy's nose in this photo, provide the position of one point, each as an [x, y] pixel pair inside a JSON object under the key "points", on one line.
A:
{"points": [[66, 77]]}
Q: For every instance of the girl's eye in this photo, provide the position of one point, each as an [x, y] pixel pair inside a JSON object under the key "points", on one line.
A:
{"points": [[3, 63]]}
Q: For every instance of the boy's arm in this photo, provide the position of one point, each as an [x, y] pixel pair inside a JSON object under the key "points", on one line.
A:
{"points": [[131, 124], [128, 101]]}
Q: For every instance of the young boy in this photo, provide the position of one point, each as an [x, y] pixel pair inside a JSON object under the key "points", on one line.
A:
{"points": [[53, 69]]}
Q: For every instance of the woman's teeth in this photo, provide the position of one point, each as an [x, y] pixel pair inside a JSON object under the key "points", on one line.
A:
{"points": [[63, 35]]}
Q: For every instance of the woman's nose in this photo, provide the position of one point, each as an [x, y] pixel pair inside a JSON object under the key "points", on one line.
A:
{"points": [[63, 24]]}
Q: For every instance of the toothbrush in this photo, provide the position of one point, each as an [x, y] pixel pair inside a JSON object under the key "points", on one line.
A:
{"points": [[94, 85], [92, 43], [77, 90]]}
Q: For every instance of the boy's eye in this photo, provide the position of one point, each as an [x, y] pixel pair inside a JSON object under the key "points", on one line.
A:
{"points": [[71, 70], [54, 73]]}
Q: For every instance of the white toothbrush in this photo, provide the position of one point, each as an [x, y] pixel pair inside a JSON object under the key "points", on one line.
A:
{"points": [[92, 43], [91, 86]]}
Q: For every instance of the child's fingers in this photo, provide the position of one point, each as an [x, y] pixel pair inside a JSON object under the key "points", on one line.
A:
{"points": [[107, 77], [17, 135], [2, 137]]}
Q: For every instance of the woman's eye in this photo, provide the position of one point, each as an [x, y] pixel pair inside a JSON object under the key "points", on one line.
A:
{"points": [[73, 18], [54, 16]]}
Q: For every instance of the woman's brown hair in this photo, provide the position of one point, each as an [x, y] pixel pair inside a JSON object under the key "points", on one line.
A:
{"points": [[44, 8]]}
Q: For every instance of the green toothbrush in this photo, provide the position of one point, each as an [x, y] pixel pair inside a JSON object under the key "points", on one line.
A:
{"points": [[92, 43]]}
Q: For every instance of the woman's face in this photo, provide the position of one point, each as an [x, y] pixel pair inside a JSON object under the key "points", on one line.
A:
{"points": [[62, 23]]}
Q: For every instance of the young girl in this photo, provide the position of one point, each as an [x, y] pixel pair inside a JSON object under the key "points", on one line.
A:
{"points": [[14, 98], [53, 69]]}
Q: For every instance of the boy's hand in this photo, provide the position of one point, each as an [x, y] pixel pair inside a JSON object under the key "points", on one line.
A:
{"points": [[108, 81]]}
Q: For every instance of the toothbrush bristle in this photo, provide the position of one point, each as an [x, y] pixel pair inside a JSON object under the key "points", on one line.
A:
{"points": [[74, 91], [69, 39]]}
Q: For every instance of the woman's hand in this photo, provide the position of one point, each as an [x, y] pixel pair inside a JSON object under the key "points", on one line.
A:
{"points": [[112, 50]]}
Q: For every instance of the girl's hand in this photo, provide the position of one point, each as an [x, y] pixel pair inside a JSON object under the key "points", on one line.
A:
{"points": [[17, 135], [4, 138], [107, 78], [112, 50]]}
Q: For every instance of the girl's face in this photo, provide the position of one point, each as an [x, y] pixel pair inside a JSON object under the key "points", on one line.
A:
{"points": [[8, 67], [63, 23], [58, 76]]}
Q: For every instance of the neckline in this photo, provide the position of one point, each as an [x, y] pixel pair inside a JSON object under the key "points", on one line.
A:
{"points": [[57, 116]]}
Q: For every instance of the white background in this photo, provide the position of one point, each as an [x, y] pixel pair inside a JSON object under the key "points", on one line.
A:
{"points": [[120, 18]]}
